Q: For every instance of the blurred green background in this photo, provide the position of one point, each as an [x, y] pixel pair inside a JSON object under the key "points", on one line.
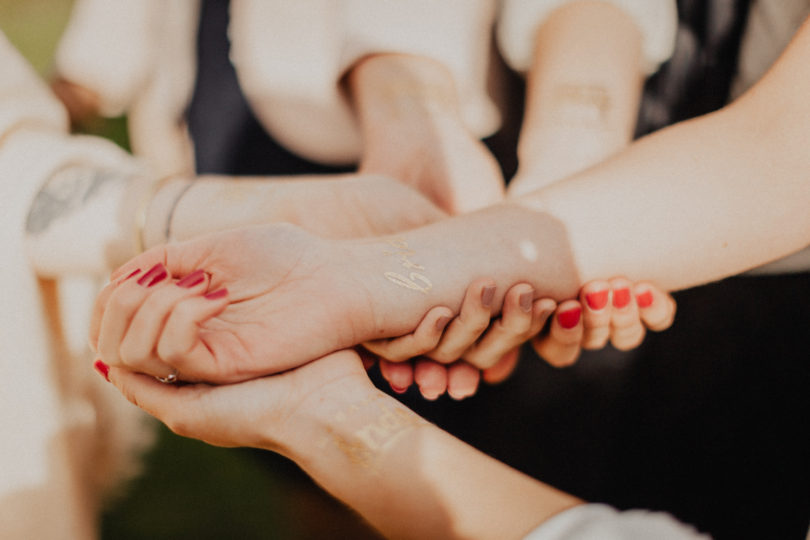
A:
{"points": [[189, 489]]}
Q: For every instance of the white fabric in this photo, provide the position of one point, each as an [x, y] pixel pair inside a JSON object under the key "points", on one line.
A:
{"points": [[49, 399], [601, 522], [519, 20], [290, 58]]}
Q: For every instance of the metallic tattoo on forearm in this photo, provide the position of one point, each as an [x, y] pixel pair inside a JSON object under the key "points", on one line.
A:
{"points": [[66, 192], [362, 446], [415, 280]]}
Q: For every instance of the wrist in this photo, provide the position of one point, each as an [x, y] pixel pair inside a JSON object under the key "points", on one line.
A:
{"points": [[155, 223]]}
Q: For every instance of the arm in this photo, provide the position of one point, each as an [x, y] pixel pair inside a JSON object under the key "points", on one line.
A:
{"points": [[582, 92], [407, 477]]}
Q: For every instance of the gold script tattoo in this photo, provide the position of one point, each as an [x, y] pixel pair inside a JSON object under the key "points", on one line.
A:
{"points": [[415, 279], [391, 421], [582, 104]]}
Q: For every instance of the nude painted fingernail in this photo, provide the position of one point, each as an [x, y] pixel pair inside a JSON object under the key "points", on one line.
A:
{"points": [[155, 275], [194, 278], [399, 389], [441, 322], [103, 369], [644, 299], [569, 319], [526, 300], [216, 295], [430, 395], [487, 295], [597, 300], [621, 297]]}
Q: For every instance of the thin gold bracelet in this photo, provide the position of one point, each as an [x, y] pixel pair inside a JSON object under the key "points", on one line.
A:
{"points": [[143, 206]]}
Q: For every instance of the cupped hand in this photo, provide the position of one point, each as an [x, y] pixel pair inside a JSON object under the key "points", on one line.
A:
{"points": [[269, 412]]}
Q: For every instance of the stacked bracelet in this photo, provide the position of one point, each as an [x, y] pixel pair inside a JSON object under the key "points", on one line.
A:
{"points": [[140, 215]]}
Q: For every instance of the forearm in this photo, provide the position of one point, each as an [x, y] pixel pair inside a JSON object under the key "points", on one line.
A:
{"points": [[583, 89], [409, 479]]}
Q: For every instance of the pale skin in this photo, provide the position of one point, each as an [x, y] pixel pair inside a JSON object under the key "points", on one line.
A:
{"points": [[423, 99], [583, 92], [678, 195], [405, 476]]}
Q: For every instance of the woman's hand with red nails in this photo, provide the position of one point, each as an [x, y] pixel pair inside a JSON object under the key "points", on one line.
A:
{"points": [[615, 311]]}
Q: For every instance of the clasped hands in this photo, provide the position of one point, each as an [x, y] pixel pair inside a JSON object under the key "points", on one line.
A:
{"points": [[255, 301]]}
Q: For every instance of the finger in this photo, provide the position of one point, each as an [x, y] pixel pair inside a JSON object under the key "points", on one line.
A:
{"points": [[595, 299], [185, 345], [521, 319], [100, 305], [137, 350], [431, 377], [462, 380], [422, 340], [122, 305], [167, 402], [399, 375], [657, 308], [472, 320], [561, 347], [502, 369], [626, 332]]}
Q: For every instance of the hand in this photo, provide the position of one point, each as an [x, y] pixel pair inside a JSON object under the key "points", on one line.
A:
{"points": [[445, 340], [336, 206], [617, 311], [282, 286], [413, 131], [264, 413]]}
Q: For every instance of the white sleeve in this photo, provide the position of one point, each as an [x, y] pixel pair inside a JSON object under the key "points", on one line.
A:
{"points": [[519, 19], [290, 57], [602, 522]]}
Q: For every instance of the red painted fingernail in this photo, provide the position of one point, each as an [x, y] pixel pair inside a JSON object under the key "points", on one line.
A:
{"points": [[216, 295], [570, 318], [156, 274], [441, 322], [526, 300], [132, 274], [597, 300], [103, 369], [487, 296], [194, 278], [621, 297], [644, 299]]}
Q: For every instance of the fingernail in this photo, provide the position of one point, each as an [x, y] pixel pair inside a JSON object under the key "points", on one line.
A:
{"points": [[570, 318], [194, 278], [621, 297], [597, 300], [644, 299], [486, 297], [103, 369], [526, 300], [430, 395], [216, 295], [132, 274], [441, 322], [156, 274], [399, 389]]}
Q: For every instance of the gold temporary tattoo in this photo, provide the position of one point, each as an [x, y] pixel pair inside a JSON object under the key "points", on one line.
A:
{"points": [[365, 444], [416, 281], [582, 104]]}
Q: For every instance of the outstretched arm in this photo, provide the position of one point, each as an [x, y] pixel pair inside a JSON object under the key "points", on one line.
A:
{"points": [[407, 477]]}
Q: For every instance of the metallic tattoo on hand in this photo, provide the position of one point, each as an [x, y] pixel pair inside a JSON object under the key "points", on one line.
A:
{"points": [[414, 280]]}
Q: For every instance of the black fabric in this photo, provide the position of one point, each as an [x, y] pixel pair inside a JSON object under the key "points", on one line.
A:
{"points": [[704, 421]]}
